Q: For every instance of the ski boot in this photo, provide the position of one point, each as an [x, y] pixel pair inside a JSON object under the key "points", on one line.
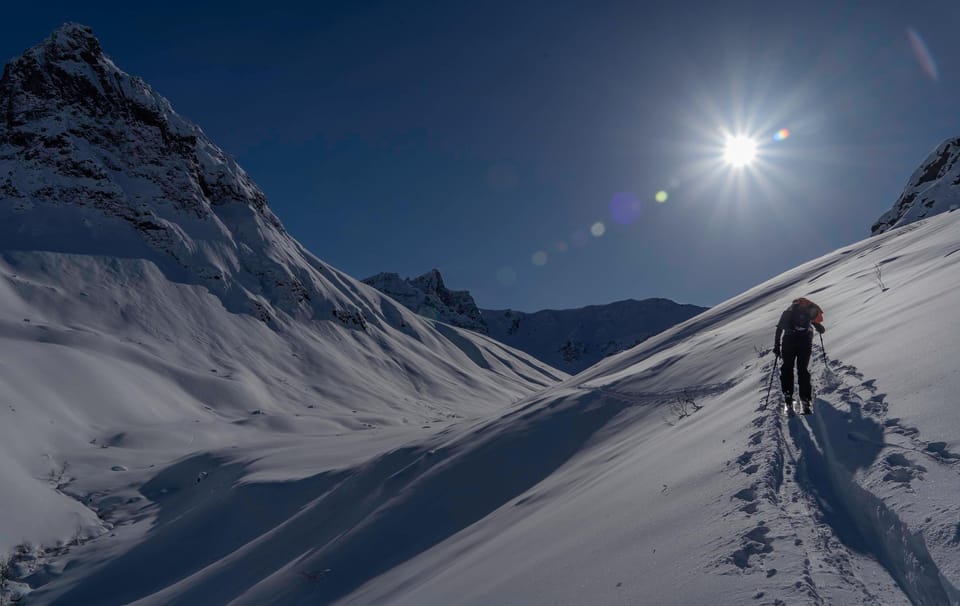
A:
{"points": [[788, 405]]}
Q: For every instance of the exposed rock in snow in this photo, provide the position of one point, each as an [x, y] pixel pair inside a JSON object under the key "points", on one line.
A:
{"points": [[933, 188], [428, 296]]}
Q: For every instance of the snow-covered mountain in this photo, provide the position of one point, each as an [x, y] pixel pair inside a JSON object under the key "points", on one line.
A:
{"points": [[153, 307], [661, 475], [428, 296], [575, 339], [568, 339], [933, 188]]}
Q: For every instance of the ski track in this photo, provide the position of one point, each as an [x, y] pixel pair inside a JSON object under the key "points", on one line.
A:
{"points": [[804, 493]]}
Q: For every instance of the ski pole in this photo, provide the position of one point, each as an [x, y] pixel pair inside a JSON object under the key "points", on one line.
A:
{"points": [[773, 371], [823, 350]]}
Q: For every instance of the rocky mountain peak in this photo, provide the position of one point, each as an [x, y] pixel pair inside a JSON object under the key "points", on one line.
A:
{"points": [[68, 67], [73, 39], [428, 296], [431, 281], [94, 161], [933, 188]]}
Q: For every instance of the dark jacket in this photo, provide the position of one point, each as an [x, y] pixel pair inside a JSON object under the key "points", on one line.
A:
{"points": [[796, 320]]}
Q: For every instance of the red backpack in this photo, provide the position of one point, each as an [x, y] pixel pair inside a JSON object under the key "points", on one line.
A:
{"points": [[803, 312]]}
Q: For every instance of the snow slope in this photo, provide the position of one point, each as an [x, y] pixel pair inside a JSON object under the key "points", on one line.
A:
{"points": [[596, 492], [600, 490], [152, 307], [199, 473], [733, 503]]}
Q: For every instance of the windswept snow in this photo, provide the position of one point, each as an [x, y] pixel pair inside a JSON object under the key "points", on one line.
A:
{"points": [[153, 309], [600, 490], [211, 415]]}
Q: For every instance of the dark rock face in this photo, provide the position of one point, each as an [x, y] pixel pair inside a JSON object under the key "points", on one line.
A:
{"points": [[94, 161], [933, 188], [428, 296]]}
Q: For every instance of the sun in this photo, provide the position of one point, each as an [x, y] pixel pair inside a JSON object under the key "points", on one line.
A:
{"points": [[739, 150]]}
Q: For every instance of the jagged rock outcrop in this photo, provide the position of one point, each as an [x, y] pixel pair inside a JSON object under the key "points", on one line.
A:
{"points": [[933, 188], [93, 160], [428, 296]]}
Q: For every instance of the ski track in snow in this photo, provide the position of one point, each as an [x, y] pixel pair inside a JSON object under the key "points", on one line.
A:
{"points": [[806, 493]]}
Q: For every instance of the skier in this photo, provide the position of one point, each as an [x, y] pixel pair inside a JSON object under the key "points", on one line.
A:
{"points": [[794, 327]]}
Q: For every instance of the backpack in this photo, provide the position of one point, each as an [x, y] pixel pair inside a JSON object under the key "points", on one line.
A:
{"points": [[801, 313]]}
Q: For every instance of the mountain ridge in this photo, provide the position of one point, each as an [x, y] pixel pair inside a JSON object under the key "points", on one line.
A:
{"points": [[568, 339]]}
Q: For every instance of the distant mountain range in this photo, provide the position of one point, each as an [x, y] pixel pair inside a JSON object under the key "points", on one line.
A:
{"points": [[569, 339]]}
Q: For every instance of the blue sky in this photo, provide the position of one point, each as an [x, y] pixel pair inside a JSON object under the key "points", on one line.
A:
{"points": [[470, 136]]}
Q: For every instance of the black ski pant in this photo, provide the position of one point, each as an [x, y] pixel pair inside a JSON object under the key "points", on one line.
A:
{"points": [[796, 350]]}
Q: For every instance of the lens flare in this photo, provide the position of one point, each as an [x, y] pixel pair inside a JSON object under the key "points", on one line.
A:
{"points": [[539, 258], [580, 238], [625, 207], [923, 55], [781, 135], [598, 229], [560, 246], [661, 197]]}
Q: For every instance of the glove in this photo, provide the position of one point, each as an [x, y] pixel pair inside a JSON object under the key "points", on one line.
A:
{"points": [[820, 328]]}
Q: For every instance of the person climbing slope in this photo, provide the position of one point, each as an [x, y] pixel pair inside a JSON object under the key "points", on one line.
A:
{"points": [[794, 339]]}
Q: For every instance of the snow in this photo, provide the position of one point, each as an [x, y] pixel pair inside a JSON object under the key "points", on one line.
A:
{"points": [[569, 339], [162, 441], [590, 491]]}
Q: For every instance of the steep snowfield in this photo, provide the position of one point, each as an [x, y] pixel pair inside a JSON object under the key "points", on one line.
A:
{"points": [[597, 490], [106, 358], [733, 504], [152, 307]]}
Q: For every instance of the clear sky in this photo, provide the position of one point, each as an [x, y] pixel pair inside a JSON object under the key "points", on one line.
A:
{"points": [[519, 146]]}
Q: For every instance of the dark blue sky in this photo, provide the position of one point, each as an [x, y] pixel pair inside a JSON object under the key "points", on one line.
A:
{"points": [[469, 136]]}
